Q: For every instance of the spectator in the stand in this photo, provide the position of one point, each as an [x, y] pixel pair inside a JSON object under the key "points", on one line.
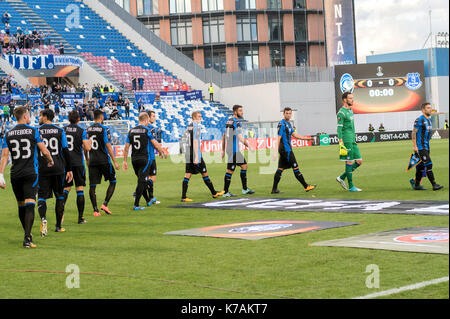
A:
{"points": [[371, 128], [175, 86], [6, 113], [165, 85], [46, 103], [446, 124], [211, 92], [5, 18], [105, 89], [57, 109], [111, 89], [115, 114], [141, 84], [381, 128], [7, 28], [184, 87], [6, 41], [127, 107], [141, 106], [134, 84], [61, 48]]}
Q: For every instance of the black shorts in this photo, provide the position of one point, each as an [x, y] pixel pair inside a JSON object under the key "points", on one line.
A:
{"points": [[79, 177], [141, 169], [51, 184], [96, 172], [194, 169], [152, 171], [25, 187], [237, 159], [287, 160], [425, 157]]}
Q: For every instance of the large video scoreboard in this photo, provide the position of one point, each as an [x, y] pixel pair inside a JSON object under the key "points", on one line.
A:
{"points": [[382, 87]]}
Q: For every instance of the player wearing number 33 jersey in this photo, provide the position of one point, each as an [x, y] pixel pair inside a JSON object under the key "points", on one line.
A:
{"points": [[23, 142]]}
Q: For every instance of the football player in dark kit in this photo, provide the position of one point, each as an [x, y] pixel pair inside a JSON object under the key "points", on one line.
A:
{"points": [[51, 179], [78, 141], [194, 159], [23, 143], [142, 143], [99, 162], [421, 135], [230, 144], [287, 158]]}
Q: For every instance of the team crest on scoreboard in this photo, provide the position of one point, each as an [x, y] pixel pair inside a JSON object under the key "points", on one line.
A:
{"points": [[413, 81], [347, 84]]}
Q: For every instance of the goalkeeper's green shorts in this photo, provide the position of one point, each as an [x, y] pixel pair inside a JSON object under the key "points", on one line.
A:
{"points": [[353, 152]]}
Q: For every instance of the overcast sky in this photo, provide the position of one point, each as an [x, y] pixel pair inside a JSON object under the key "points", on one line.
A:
{"points": [[387, 26]]}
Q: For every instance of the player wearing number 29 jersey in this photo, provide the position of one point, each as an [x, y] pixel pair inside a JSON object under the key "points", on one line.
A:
{"points": [[51, 179]]}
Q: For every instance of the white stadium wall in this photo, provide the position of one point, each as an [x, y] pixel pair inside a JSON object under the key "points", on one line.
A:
{"points": [[314, 102]]}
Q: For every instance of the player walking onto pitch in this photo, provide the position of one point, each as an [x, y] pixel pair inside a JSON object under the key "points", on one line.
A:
{"points": [[230, 144], [51, 179], [23, 142], [149, 192], [287, 157], [99, 162], [421, 135], [349, 150], [194, 160], [78, 141], [142, 143]]}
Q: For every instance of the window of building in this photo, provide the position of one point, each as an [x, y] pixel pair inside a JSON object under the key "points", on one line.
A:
{"points": [[216, 58], [153, 26], [299, 4], [125, 4], [181, 31], [277, 56], [245, 4], [180, 6], [188, 52], [212, 5], [147, 7], [301, 58], [213, 30], [248, 58], [300, 27], [275, 28], [273, 4], [246, 29]]}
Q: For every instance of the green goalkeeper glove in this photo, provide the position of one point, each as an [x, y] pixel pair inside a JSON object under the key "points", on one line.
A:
{"points": [[342, 150]]}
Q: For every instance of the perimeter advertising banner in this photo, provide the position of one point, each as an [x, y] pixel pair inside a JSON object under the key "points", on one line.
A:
{"points": [[382, 87], [340, 32]]}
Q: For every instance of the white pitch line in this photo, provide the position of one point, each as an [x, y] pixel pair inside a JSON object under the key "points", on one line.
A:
{"points": [[405, 288]]}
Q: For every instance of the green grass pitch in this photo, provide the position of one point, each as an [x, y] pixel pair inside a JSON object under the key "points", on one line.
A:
{"points": [[126, 256]]}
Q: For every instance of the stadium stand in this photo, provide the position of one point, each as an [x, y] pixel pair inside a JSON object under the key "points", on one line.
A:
{"points": [[102, 46]]}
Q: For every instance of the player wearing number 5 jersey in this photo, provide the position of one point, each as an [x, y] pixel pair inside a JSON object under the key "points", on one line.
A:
{"points": [[78, 141], [99, 162], [51, 179], [142, 143], [23, 142]]}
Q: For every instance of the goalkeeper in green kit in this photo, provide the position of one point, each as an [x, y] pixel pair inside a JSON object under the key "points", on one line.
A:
{"points": [[348, 149]]}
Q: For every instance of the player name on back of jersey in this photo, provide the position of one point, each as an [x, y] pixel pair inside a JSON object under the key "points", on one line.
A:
{"points": [[20, 132], [71, 129], [95, 129], [139, 130], [45, 131]]}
